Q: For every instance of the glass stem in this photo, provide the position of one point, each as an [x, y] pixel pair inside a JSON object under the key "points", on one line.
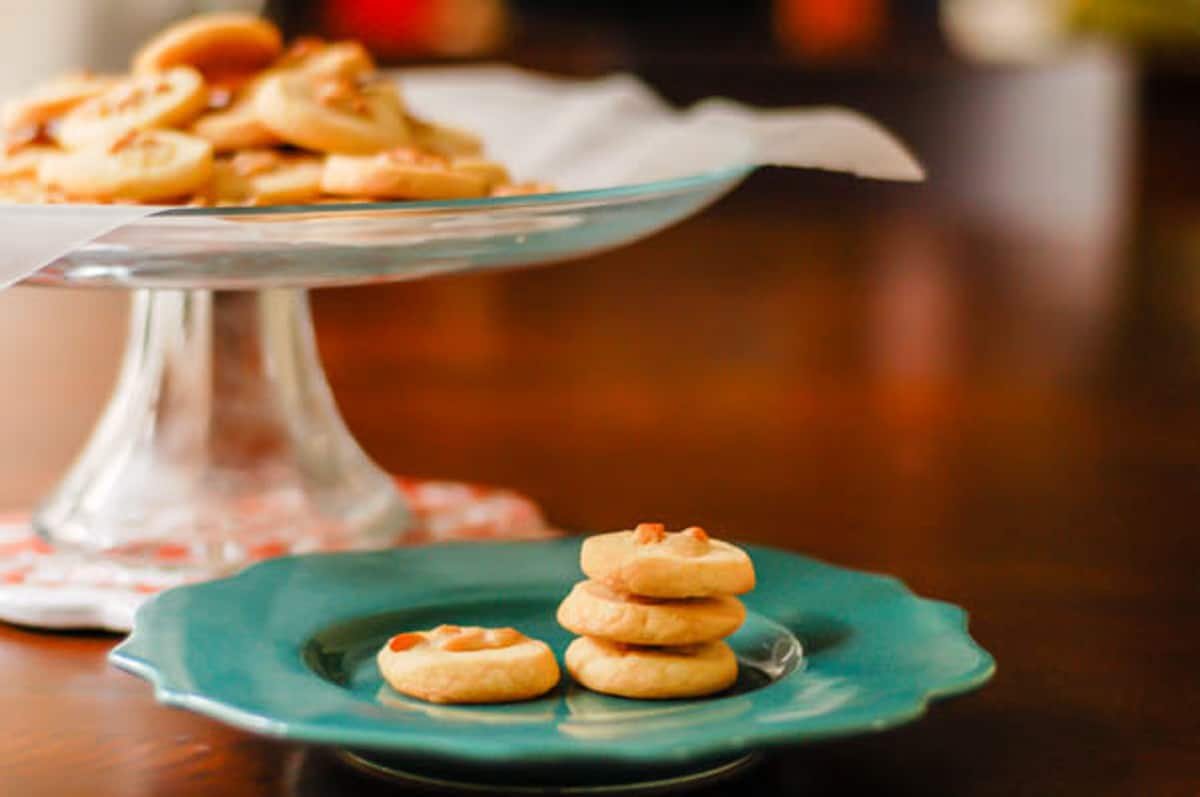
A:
{"points": [[221, 442]]}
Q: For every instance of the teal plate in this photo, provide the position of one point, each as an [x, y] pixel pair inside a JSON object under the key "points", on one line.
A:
{"points": [[286, 649]]}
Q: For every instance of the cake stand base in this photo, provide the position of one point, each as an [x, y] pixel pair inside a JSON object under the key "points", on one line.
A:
{"points": [[530, 779], [221, 444]]}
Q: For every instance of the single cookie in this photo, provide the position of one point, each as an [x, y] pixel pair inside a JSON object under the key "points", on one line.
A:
{"points": [[651, 673], [316, 56], [212, 43], [493, 173], [523, 189], [142, 166], [23, 161], [236, 127], [25, 190], [399, 174], [649, 561], [332, 114], [143, 102], [450, 142], [592, 609], [452, 664], [265, 177], [53, 100]]}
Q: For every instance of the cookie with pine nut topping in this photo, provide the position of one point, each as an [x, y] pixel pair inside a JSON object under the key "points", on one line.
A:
{"points": [[651, 673], [142, 102], [593, 609], [215, 44], [401, 173], [332, 113], [51, 100], [456, 664], [141, 166], [653, 562]]}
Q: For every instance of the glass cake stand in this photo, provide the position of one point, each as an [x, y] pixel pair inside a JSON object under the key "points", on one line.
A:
{"points": [[222, 434]]}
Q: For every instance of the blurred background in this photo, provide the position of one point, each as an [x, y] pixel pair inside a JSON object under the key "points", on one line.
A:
{"points": [[871, 339], [987, 384]]}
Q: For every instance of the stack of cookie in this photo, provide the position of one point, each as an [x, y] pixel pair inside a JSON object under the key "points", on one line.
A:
{"points": [[653, 613]]}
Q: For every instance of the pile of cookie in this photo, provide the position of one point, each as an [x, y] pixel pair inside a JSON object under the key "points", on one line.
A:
{"points": [[654, 612], [651, 619], [218, 112]]}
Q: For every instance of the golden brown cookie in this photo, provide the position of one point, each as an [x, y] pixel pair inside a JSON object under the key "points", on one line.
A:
{"points": [[233, 128], [318, 57], [53, 99], [401, 173], [522, 189], [141, 166], [332, 113], [651, 673], [142, 102], [212, 43], [25, 190], [592, 609], [653, 562], [265, 177], [23, 161], [453, 664], [492, 173], [450, 142]]}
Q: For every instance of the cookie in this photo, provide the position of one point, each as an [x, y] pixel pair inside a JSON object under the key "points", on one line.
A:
{"points": [[142, 166], [493, 173], [23, 161], [265, 177], [450, 142], [522, 189], [452, 664], [52, 100], [143, 102], [25, 190], [592, 609], [212, 43], [652, 562], [317, 57], [233, 128], [399, 174], [651, 673], [332, 114]]}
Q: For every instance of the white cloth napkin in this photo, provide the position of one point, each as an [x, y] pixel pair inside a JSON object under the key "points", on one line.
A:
{"points": [[574, 134]]}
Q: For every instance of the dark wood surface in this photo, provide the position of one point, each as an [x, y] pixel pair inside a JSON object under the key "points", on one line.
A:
{"points": [[1003, 418]]}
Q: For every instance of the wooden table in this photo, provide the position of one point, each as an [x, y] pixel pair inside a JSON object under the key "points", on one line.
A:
{"points": [[1004, 420]]}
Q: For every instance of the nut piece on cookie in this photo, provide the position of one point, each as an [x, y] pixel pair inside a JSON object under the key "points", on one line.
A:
{"points": [[592, 609], [653, 562], [455, 664], [215, 44], [648, 673]]}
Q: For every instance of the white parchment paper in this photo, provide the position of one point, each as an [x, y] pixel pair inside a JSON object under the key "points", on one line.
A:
{"points": [[574, 134]]}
